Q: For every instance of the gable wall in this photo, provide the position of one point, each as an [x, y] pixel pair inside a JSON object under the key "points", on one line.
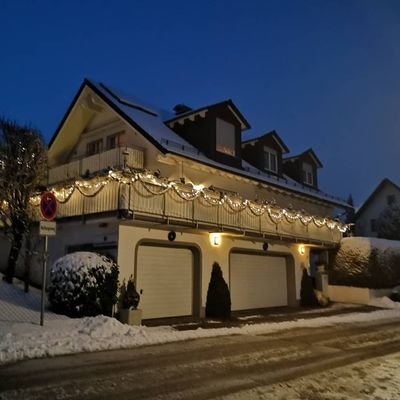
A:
{"points": [[373, 209]]}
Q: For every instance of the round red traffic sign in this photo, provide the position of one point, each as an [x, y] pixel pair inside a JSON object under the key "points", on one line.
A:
{"points": [[48, 206]]}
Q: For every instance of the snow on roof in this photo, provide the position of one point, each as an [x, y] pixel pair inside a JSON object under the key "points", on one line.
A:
{"points": [[150, 122]]}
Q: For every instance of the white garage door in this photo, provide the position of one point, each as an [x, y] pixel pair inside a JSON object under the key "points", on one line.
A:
{"points": [[257, 281], [165, 276]]}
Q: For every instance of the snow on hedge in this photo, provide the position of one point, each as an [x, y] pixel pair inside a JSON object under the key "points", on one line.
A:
{"points": [[366, 244], [366, 262]]}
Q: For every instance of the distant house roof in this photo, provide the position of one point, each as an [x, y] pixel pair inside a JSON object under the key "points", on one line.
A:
{"points": [[373, 195], [151, 122], [274, 135], [310, 152]]}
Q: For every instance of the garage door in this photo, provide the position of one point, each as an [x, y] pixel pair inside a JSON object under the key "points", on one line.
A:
{"points": [[257, 281], [165, 277]]}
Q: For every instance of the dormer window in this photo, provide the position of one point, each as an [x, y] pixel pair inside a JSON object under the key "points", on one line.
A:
{"points": [[308, 174], [225, 137], [270, 159]]}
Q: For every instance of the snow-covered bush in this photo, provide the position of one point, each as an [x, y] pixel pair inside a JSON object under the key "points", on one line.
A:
{"points": [[83, 284], [366, 262]]}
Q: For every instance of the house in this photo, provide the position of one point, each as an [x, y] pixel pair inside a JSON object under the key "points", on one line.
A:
{"points": [[386, 194], [169, 193]]}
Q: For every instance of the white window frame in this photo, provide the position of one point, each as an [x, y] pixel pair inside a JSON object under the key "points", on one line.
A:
{"points": [[225, 137], [270, 159], [308, 174]]}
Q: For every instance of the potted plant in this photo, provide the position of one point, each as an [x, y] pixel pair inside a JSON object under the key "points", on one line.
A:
{"points": [[129, 300]]}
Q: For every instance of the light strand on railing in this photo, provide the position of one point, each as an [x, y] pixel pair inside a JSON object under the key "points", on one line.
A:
{"points": [[157, 186]]}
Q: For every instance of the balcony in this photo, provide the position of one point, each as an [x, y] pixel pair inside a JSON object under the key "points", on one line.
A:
{"points": [[114, 158]]}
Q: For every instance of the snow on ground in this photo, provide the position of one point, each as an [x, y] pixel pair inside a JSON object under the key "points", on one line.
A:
{"points": [[376, 379], [21, 336]]}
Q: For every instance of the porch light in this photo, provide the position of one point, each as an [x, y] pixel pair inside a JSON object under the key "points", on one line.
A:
{"points": [[215, 239], [302, 249]]}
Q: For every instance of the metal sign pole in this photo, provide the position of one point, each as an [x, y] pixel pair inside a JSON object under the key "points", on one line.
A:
{"points": [[44, 273]]}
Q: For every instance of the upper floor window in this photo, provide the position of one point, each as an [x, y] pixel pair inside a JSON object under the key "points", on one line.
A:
{"points": [[112, 142], [373, 225], [391, 199], [270, 159], [94, 147], [225, 137], [308, 174]]}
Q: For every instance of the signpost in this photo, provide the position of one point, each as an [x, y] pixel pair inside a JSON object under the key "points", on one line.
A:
{"points": [[48, 210]]}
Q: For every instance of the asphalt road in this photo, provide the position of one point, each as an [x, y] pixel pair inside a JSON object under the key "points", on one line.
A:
{"points": [[198, 369]]}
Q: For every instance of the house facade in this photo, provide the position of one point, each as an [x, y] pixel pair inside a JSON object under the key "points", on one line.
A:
{"points": [[169, 193], [385, 194]]}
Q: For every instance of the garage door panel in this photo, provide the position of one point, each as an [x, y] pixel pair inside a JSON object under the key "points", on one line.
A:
{"points": [[165, 276], [257, 281]]}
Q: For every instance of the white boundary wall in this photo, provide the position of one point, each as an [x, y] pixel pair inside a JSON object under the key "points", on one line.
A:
{"points": [[355, 295]]}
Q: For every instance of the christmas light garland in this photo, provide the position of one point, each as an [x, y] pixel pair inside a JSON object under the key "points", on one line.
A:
{"points": [[157, 186]]}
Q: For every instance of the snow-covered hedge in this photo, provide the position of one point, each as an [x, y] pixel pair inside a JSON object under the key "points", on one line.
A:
{"points": [[366, 262], [83, 284]]}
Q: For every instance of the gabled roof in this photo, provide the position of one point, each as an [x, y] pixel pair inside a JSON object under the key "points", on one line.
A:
{"points": [[150, 122], [227, 103], [274, 135], [309, 152], [373, 195]]}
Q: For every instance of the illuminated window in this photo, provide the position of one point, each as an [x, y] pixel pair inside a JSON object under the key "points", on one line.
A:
{"points": [[225, 137], [308, 174], [270, 159]]}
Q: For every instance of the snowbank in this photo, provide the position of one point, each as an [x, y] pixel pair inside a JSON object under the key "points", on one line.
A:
{"points": [[22, 341], [21, 337]]}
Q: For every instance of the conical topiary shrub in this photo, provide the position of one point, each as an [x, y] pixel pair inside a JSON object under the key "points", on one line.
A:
{"points": [[218, 303], [307, 294]]}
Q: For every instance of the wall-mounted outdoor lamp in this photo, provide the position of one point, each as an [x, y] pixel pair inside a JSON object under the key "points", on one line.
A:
{"points": [[215, 239]]}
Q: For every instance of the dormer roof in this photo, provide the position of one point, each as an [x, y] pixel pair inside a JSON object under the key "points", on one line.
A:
{"points": [[310, 152], [191, 114], [271, 134]]}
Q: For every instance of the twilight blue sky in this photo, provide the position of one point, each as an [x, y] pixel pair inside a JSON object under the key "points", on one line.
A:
{"points": [[325, 74]]}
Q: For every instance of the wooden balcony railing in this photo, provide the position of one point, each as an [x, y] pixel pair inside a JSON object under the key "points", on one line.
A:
{"points": [[134, 199], [114, 158]]}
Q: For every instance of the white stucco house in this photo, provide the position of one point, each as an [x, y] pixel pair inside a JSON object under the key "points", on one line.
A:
{"points": [[385, 194], [169, 193]]}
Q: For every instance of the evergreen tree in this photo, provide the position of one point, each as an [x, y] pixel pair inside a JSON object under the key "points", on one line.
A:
{"points": [[307, 294], [218, 304], [388, 223], [23, 169], [350, 215]]}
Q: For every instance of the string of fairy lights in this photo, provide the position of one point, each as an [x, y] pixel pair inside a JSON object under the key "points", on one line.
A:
{"points": [[157, 186]]}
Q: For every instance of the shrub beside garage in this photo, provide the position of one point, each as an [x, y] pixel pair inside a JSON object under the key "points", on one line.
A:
{"points": [[83, 284]]}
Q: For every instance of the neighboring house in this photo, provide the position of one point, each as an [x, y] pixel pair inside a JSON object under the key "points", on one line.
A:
{"points": [[385, 194], [168, 194]]}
